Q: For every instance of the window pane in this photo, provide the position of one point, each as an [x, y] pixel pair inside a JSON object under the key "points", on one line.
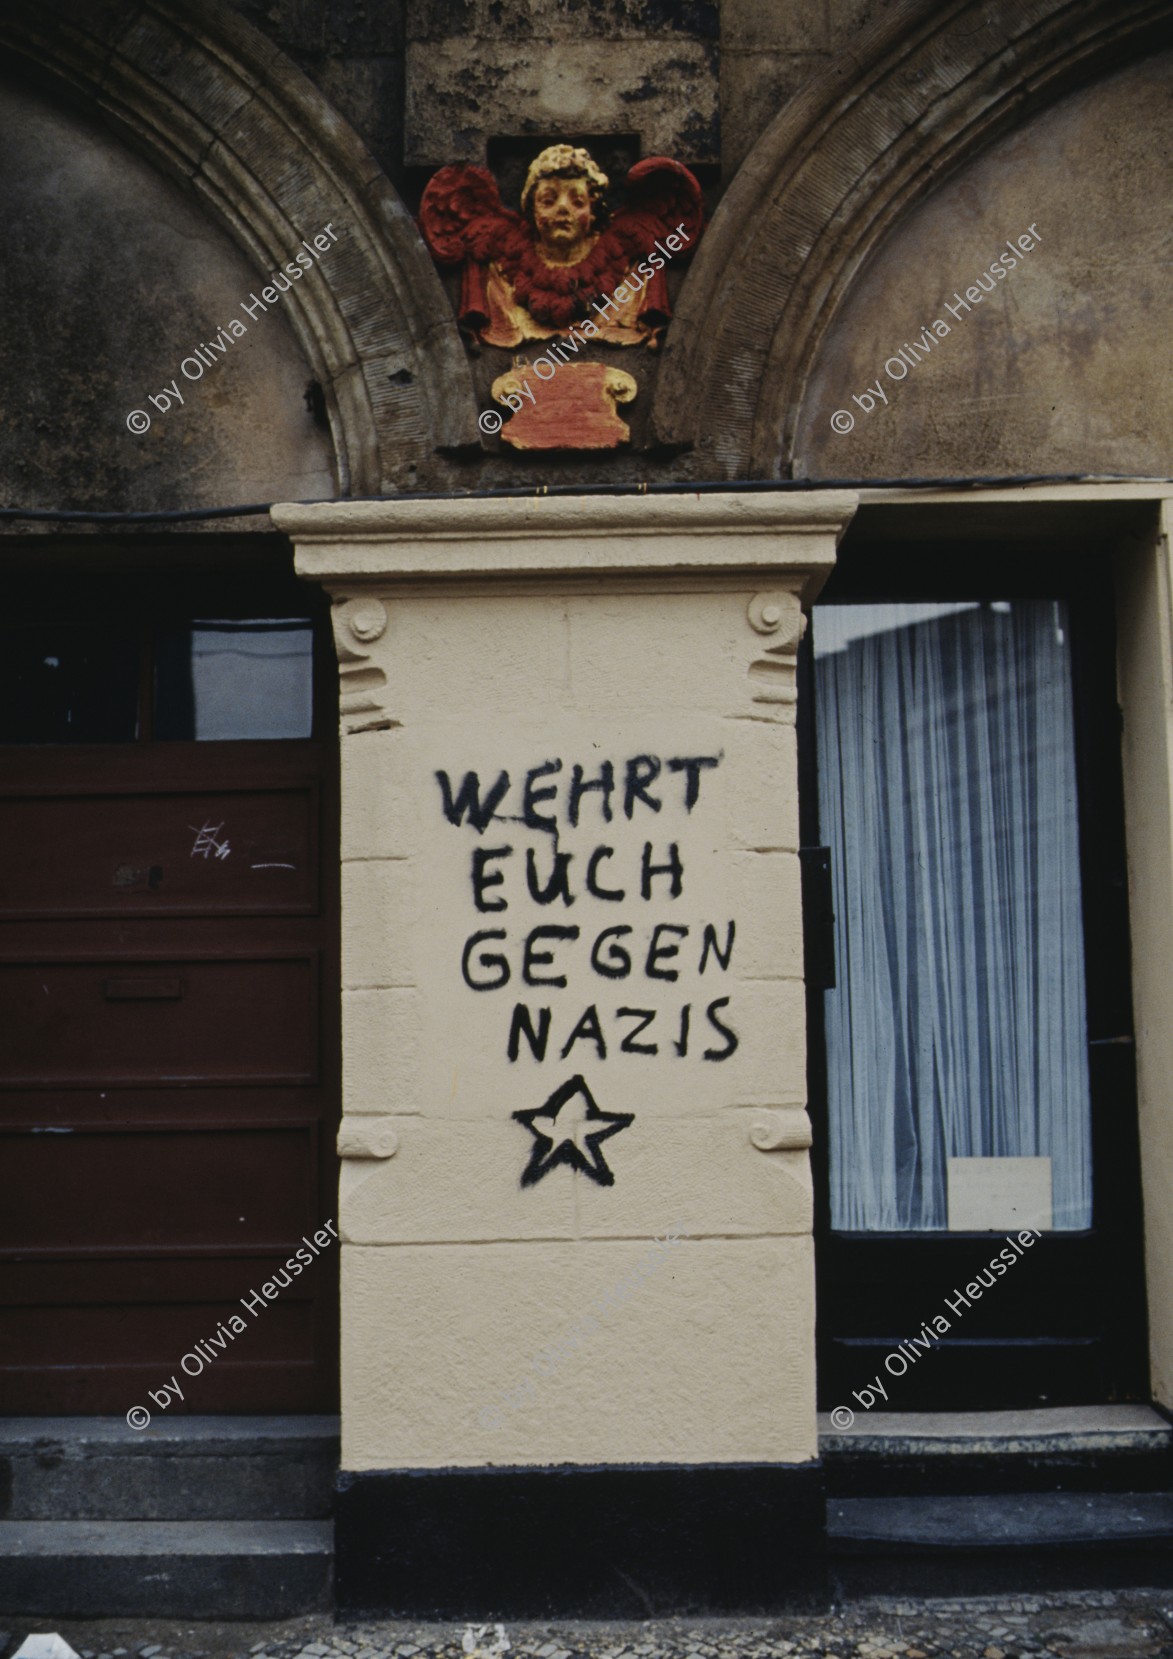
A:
{"points": [[68, 685], [217, 681], [956, 1039]]}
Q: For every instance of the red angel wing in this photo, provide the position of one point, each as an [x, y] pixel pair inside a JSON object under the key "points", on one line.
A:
{"points": [[661, 194], [462, 216]]}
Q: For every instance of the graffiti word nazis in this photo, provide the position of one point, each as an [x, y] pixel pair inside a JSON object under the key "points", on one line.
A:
{"points": [[205, 355], [504, 877], [204, 1352]]}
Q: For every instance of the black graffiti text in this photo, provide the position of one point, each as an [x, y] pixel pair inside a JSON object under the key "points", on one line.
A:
{"points": [[541, 958], [548, 878], [649, 1031], [643, 782]]}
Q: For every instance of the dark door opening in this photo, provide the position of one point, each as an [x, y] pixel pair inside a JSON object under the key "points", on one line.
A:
{"points": [[169, 1044], [971, 1066]]}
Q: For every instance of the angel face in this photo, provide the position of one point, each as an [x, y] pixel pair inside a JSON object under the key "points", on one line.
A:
{"points": [[562, 218]]}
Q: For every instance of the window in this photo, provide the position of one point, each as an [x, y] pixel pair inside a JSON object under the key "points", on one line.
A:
{"points": [[223, 680], [69, 684], [956, 1038], [196, 679]]}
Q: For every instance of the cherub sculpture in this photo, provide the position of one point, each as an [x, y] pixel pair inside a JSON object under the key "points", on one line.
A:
{"points": [[537, 274]]}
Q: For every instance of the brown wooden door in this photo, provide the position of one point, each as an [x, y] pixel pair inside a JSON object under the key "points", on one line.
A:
{"points": [[168, 1012]]}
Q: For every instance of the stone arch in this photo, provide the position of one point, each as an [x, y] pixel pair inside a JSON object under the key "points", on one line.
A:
{"points": [[214, 104], [931, 88]]}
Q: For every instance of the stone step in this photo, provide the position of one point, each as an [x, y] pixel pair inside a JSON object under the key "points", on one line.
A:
{"points": [[186, 1469], [1120, 1448], [1004, 1543], [174, 1569]]}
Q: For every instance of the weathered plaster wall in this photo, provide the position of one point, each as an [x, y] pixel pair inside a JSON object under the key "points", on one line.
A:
{"points": [[111, 279], [353, 52], [770, 51], [640, 67], [519, 642], [1061, 369], [429, 81]]}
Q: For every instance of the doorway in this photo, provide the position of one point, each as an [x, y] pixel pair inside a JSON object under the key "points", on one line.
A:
{"points": [[971, 1058], [169, 1044]]}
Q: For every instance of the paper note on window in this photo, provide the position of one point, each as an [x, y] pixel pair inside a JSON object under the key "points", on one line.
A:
{"points": [[992, 1194]]}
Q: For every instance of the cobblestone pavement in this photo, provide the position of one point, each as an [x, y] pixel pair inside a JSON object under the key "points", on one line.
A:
{"points": [[1090, 1625]]}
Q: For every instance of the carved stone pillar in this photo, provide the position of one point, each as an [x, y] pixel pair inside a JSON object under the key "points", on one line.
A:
{"points": [[576, 1198]]}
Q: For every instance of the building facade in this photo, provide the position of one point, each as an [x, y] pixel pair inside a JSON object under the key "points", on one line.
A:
{"points": [[582, 953]]}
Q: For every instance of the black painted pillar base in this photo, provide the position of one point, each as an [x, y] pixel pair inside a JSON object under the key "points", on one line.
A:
{"points": [[630, 1541]]}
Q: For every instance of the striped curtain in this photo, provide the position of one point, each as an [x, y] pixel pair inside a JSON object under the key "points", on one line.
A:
{"points": [[947, 796]]}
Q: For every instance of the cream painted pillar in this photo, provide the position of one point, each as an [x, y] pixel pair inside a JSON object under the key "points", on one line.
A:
{"points": [[570, 882], [1145, 629]]}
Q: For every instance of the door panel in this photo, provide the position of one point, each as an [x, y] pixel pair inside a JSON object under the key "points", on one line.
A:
{"points": [[97, 1342], [142, 854], [127, 1022], [173, 1188], [169, 1042]]}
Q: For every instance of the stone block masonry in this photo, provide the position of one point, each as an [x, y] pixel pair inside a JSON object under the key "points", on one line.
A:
{"points": [[558, 718]]}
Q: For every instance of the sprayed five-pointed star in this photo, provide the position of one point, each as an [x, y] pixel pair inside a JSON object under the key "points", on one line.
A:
{"points": [[570, 1129]]}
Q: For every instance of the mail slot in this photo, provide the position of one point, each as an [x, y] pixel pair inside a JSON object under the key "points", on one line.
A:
{"points": [[144, 990]]}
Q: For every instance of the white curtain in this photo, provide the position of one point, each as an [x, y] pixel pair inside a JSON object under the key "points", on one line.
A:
{"points": [[947, 796]]}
